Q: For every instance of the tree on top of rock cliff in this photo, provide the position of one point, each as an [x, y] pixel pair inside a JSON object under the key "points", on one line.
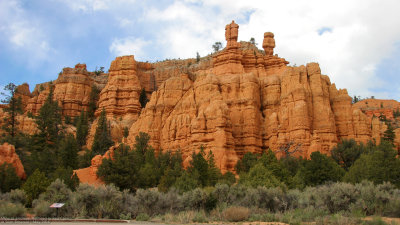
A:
{"points": [[14, 107], [102, 138], [143, 98], [217, 46], [49, 119]]}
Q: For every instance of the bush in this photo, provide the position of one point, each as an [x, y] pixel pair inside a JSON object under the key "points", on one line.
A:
{"points": [[41, 208], [149, 201], [200, 217], [15, 196], [142, 217], [195, 199], [11, 210], [236, 214]]}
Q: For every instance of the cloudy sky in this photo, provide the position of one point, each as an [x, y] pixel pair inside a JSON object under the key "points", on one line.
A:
{"points": [[356, 42]]}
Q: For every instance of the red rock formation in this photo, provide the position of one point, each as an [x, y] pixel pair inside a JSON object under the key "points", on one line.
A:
{"points": [[71, 89], [378, 107], [8, 155], [24, 93], [248, 102], [88, 175]]}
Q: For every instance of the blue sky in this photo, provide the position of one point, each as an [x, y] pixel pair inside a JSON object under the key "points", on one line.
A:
{"points": [[356, 43]]}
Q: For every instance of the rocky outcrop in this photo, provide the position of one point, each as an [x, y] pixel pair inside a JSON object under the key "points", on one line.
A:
{"points": [[379, 107], [250, 101], [71, 89], [8, 155], [89, 175]]}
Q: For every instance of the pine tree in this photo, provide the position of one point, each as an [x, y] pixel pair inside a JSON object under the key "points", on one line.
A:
{"points": [[92, 106], [35, 185], [49, 119], [389, 134], [8, 178], [102, 138], [13, 108], [82, 129], [143, 98], [68, 152]]}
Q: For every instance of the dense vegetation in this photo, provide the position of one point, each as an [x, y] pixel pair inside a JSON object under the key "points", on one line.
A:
{"points": [[357, 180]]}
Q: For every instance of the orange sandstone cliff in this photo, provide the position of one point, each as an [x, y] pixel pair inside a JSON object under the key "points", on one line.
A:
{"points": [[8, 155], [240, 99]]}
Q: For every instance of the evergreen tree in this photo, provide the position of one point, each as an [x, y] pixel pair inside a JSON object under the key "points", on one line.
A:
{"points": [[243, 165], [120, 170], [68, 152], [13, 109], [102, 138], [126, 132], [49, 119], [197, 57], [320, 169], [389, 134], [259, 175], [380, 165], [92, 106], [347, 152], [142, 143], [35, 185], [217, 46], [9, 179], [198, 167], [143, 98], [82, 129], [66, 175]]}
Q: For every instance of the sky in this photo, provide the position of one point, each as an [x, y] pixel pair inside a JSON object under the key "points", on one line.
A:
{"points": [[356, 42]]}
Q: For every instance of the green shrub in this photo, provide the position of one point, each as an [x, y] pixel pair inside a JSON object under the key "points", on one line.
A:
{"points": [[236, 214], [11, 210], [200, 217], [41, 208], [149, 201], [194, 199], [15, 196], [127, 216], [142, 217]]}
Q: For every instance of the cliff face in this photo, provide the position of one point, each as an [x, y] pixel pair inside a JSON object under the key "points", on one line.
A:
{"points": [[8, 155], [249, 101], [240, 99]]}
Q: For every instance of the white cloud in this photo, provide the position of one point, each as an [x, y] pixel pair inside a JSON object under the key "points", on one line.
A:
{"points": [[23, 33], [360, 35], [129, 46]]}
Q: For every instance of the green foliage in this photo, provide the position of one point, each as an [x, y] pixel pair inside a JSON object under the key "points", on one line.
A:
{"points": [[203, 168], [92, 105], [82, 129], [197, 57], [11, 210], [259, 175], [99, 71], [389, 134], [120, 170], [8, 178], [377, 166], [35, 185], [67, 176], [13, 109], [142, 217], [49, 119], [217, 46], [396, 113], [320, 169], [68, 152], [143, 98], [347, 152], [187, 182], [102, 138], [244, 164], [126, 132], [85, 159]]}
